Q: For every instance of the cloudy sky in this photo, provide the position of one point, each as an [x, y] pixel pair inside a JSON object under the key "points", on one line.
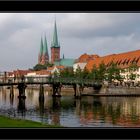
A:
{"points": [[91, 33]]}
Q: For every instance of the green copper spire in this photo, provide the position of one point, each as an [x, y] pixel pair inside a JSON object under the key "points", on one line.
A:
{"points": [[41, 47], [55, 38], [45, 51]]}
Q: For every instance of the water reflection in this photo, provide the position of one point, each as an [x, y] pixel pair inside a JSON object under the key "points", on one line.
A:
{"points": [[21, 106], [56, 107], [11, 99], [56, 103], [41, 107], [87, 111]]}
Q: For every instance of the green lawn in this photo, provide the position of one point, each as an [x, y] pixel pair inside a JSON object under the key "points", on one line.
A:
{"points": [[9, 122]]}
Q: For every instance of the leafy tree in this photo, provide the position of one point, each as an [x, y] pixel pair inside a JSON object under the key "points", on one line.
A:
{"points": [[85, 73], [38, 67], [102, 72], [94, 74], [113, 73], [67, 72], [132, 70], [78, 73]]}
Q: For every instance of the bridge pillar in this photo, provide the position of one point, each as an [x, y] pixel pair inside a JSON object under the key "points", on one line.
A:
{"points": [[77, 90], [56, 90], [41, 93], [21, 87]]}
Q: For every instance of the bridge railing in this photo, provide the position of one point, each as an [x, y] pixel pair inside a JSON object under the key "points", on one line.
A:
{"points": [[50, 80]]}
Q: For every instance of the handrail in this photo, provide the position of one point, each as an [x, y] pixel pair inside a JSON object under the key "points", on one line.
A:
{"points": [[51, 80]]}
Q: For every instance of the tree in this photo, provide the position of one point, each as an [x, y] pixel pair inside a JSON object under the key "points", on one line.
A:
{"points": [[94, 74], [85, 73], [38, 67], [113, 73], [78, 73], [132, 71], [102, 72], [67, 72]]}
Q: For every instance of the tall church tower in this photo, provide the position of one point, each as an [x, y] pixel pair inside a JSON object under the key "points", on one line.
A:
{"points": [[55, 47], [41, 52], [43, 55]]}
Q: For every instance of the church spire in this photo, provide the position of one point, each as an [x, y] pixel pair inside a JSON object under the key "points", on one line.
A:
{"points": [[41, 47], [41, 52], [45, 51], [55, 37]]}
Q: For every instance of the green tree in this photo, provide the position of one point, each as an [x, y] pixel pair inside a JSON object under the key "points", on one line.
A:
{"points": [[102, 72], [78, 73], [132, 71], [67, 72], [38, 67], [113, 73], [85, 73], [94, 74]]}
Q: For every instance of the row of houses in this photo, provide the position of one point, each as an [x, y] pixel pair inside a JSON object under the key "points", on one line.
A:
{"points": [[48, 72], [122, 60]]}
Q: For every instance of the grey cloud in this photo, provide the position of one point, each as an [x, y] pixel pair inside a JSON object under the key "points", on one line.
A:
{"points": [[102, 34]]}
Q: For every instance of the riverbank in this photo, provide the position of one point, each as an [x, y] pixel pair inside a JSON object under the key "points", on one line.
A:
{"points": [[18, 123]]}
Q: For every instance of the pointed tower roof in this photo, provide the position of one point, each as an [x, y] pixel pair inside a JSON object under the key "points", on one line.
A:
{"points": [[41, 47], [55, 37], [45, 50]]}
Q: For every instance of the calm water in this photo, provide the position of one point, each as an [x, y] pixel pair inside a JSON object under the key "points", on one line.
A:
{"points": [[67, 111]]}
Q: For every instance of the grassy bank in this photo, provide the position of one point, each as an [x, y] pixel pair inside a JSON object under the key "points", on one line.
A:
{"points": [[9, 122]]}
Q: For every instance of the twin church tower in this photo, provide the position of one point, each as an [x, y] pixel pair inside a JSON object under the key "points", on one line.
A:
{"points": [[43, 57]]}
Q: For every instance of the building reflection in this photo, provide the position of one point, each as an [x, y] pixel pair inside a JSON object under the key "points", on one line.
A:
{"points": [[56, 106], [113, 111], [116, 112]]}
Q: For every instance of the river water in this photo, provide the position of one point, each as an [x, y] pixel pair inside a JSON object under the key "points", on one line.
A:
{"points": [[67, 111]]}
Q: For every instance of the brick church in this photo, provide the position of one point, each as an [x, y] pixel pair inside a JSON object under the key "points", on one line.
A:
{"points": [[43, 57]]}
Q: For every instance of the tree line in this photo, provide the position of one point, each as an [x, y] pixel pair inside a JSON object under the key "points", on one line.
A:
{"points": [[102, 73]]}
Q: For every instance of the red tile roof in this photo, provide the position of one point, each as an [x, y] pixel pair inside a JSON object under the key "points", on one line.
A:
{"points": [[123, 60], [85, 57]]}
